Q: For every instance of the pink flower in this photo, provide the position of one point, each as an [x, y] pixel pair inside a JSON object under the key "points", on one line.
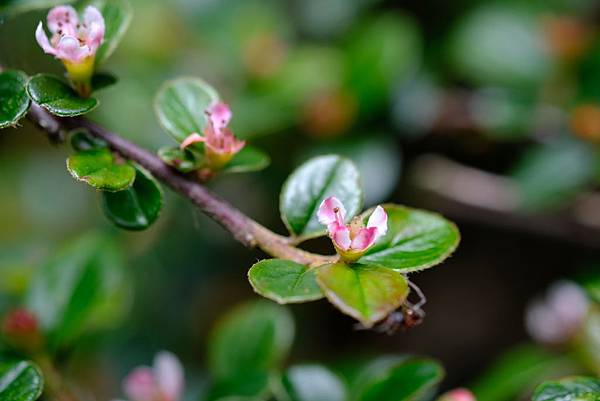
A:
{"points": [[72, 41], [163, 382], [352, 240], [459, 394], [220, 145]]}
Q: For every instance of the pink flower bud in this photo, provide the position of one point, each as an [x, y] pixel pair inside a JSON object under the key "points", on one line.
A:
{"points": [[354, 239], [556, 318], [220, 145], [459, 394], [163, 382], [20, 329]]}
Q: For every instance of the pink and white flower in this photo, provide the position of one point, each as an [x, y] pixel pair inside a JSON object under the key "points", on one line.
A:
{"points": [[74, 42], [354, 239], [220, 145], [164, 381], [458, 394]]}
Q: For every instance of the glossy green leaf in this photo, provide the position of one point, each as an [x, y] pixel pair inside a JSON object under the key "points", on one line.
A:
{"points": [[180, 105], [99, 169], [312, 383], [14, 101], [367, 293], [20, 381], [81, 287], [577, 388], [101, 80], [284, 281], [501, 45], [58, 97], [517, 371], [136, 207], [382, 52], [81, 140], [117, 16], [310, 184], [250, 341], [415, 240], [248, 159], [550, 174], [183, 160], [398, 379], [246, 387]]}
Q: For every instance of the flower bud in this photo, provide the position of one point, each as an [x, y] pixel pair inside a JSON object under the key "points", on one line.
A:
{"points": [[459, 394], [163, 382], [21, 331]]}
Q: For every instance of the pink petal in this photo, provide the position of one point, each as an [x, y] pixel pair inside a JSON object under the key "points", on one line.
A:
{"points": [[70, 50], [378, 219], [42, 40], [237, 146], [193, 138], [63, 18], [331, 210], [459, 394], [364, 239], [140, 385], [219, 114], [340, 235], [94, 22], [169, 375]]}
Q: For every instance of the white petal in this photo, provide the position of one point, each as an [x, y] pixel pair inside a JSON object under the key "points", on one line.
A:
{"points": [[42, 40], [169, 375], [378, 219], [329, 211]]}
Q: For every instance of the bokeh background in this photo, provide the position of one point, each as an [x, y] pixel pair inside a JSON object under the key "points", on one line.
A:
{"points": [[488, 112]]}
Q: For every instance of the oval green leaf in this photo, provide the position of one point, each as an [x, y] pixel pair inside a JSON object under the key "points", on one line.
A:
{"points": [[136, 207], [313, 383], [250, 341], [102, 80], [310, 184], [367, 293], [14, 101], [407, 379], [284, 281], [183, 160], [247, 160], [82, 287], [576, 388], [180, 105], [58, 97], [81, 140], [98, 168], [416, 240], [117, 16], [20, 381]]}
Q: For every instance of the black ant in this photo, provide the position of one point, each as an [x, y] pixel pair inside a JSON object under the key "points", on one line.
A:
{"points": [[406, 317]]}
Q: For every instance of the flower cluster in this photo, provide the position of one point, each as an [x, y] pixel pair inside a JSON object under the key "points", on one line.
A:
{"points": [[164, 381], [220, 145], [74, 42], [351, 240]]}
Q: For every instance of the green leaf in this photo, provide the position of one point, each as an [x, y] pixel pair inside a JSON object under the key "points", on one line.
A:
{"points": [[549, 175], [117, 16], [398, 379], [12, 7], [284, 281], [367, 293], [180, 105], [58, 97], [248, 159], [136, 207], [98, 168], [250, 341], [81, 288], [576, 388], [415, 240], [310, 184], [20, 381], [14, 101], [313, 383], [243, 388], [81, 140], [183, 160], [101, 80]]}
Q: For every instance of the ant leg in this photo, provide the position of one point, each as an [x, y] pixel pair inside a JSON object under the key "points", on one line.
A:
{"points": [[422, 298]]}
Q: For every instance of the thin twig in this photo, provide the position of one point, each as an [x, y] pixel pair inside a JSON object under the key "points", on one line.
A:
{"points": [[244, 229]]}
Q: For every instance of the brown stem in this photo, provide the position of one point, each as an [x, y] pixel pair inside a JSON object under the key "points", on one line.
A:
{"points": [[54, 385], [244, 229]]}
